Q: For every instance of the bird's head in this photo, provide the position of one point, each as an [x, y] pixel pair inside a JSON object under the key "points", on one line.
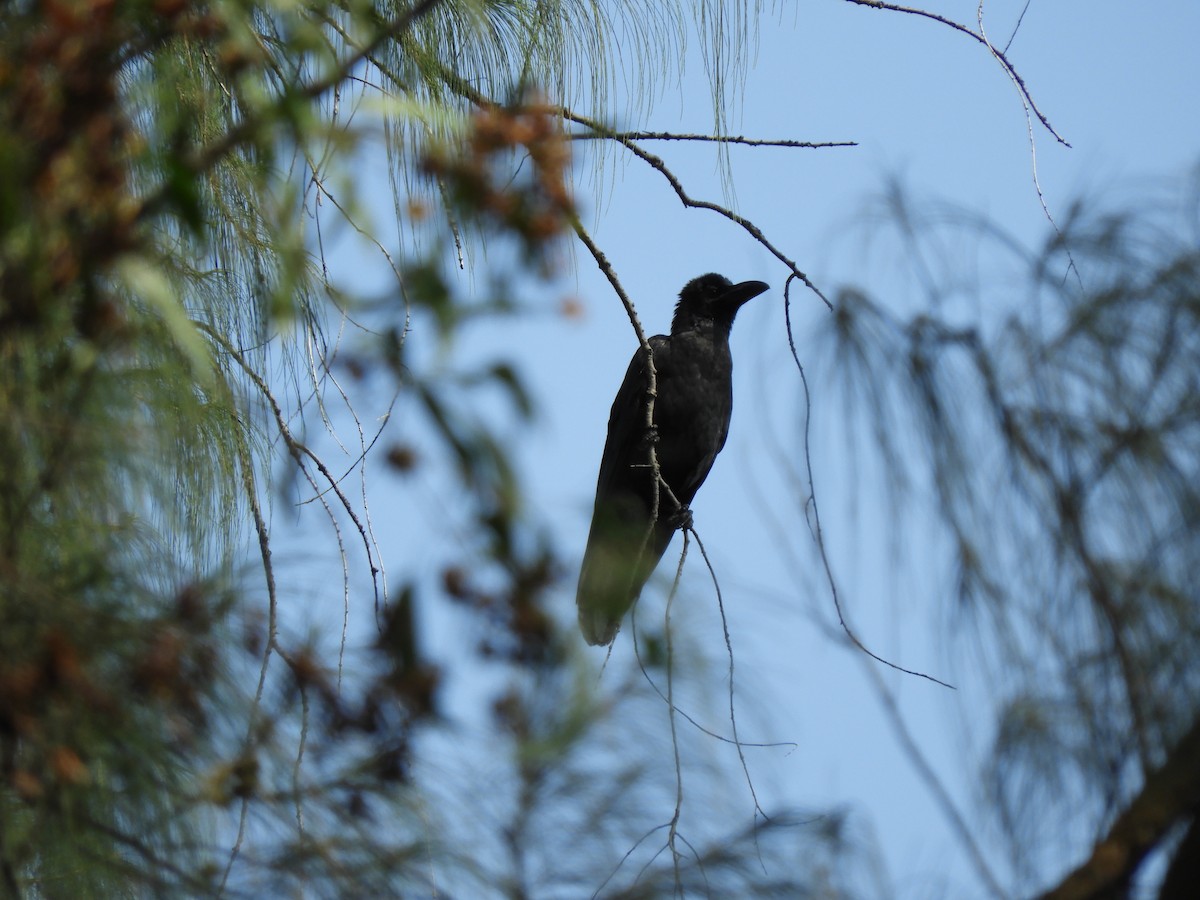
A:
{"points": [[711, 301]]}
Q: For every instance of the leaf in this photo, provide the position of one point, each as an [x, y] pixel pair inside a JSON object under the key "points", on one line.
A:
{"points": [[507, 375]]}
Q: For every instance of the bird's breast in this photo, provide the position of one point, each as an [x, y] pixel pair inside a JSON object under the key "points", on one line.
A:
{"points": [[692, 411]]}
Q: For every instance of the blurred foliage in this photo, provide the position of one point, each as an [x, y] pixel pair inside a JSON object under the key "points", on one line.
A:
{"points": [[171, 335], [1053, 419]]}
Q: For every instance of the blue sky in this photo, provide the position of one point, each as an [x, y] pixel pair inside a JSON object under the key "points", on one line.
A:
{"points": [[932, 110]]}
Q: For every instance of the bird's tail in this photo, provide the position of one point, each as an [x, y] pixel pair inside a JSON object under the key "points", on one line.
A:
{"points": [[605, 594], [616, 565]]}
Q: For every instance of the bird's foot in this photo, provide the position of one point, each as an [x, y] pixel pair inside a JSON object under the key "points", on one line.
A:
{"points": [[650, 436], [681, 519]]}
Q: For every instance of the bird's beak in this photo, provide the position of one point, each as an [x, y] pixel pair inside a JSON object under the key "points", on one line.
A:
{"points": [[738, 294]]}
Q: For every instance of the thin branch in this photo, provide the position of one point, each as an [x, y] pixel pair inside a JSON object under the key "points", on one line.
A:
{"points": [[624, 859], [593, 135], [299, 761], [1033, 163], [736, 741], [657, 163], [365, 446], [729, 651], [814, 522], [1017, 80], [1021, 18], [791, 745], [299, 453], [264, 548], [606, 268], [674, 829]]}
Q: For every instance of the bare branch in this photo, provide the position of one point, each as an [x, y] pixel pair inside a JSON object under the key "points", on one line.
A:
{"points": [[673, 831], [1012, 73], [593, 135], [729, 651], [657, 163]]}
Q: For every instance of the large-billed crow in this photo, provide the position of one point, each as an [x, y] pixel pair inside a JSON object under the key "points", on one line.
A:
{"points": [[693, 403]]}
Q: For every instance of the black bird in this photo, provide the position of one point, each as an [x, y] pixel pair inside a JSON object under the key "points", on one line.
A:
{"points": [[694, 387]]}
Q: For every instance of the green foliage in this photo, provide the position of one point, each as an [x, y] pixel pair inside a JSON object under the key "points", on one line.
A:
{"points": [[165, 309]]}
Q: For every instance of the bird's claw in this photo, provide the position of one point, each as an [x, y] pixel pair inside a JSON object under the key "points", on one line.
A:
{"points": [[681, 519]]}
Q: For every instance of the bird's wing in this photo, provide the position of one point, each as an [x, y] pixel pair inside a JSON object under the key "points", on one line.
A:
{"points": [[693, 412], [615, 563], [625, 444], [712, 442]]}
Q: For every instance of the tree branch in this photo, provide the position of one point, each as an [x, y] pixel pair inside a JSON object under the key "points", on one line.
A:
{"points": [[1170, 792], [657, 163], [593, 135], [1017, 80]]}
